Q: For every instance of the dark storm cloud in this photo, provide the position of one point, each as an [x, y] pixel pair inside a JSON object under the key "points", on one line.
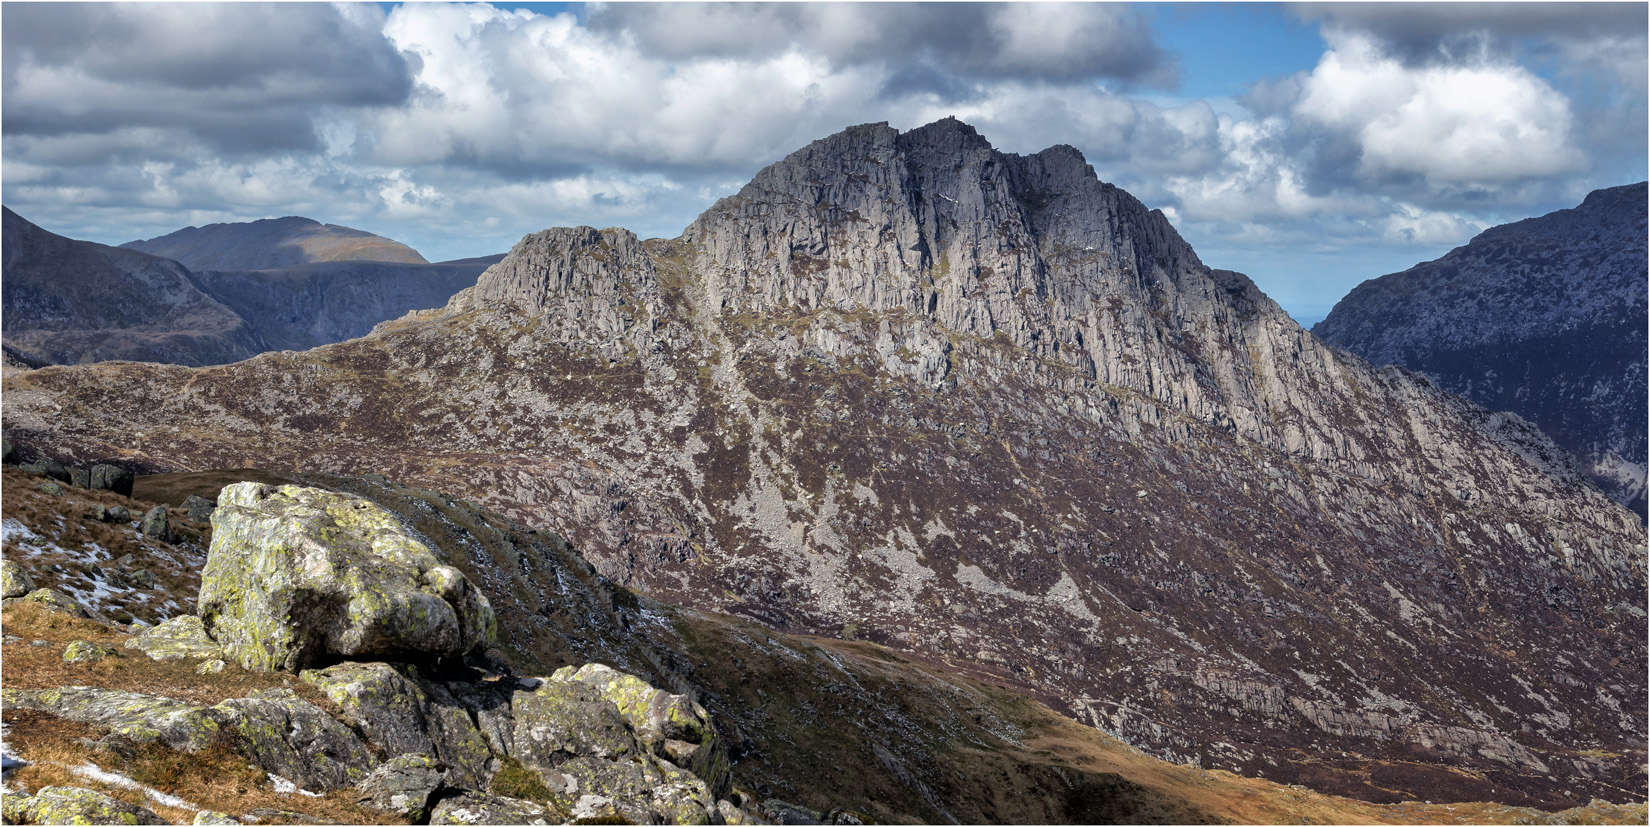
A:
{"points": [[1020, 41], [242, 78], [1424, 32]]}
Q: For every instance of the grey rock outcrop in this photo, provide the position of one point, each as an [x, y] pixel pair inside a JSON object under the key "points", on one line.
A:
{"points": [[157, 524], [299, 575], [1543, 317], [484, 808], [275, 729], [405, 785], [179, 637]]}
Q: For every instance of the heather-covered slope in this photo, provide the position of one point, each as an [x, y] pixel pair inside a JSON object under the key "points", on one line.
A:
{"points": [[1544, 317], [273, 242], [984, 408], [76, 301]]}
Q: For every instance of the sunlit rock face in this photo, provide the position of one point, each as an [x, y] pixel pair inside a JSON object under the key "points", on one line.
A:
{"points": [[987, 409]]}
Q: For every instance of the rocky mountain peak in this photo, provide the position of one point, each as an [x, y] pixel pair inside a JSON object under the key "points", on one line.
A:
{"points": [[937, 223]]}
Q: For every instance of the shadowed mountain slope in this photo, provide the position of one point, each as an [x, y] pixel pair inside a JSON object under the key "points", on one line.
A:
{"points": [[72, 301], [273, 242], [297, 308], [1545, 317], [76, 301], [986, 409]]}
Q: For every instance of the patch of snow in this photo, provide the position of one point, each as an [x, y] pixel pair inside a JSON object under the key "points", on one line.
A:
{"points": [[11, 529], [287, 787], [96, 773]]}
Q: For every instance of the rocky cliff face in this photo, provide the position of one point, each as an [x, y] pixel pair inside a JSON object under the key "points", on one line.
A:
{"points": [[1544, 317], [73, 301], [986, 409], [273, 242]]}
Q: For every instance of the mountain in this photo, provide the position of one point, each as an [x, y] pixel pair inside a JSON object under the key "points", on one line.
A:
{"points": [[76, 301], [987, 410], [1543, 317], [273, 242], [72, 301], [297, 308]]}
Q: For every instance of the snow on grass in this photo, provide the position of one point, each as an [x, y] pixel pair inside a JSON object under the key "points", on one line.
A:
{"points": [[96, 773], [288, 787], [14, 530]]}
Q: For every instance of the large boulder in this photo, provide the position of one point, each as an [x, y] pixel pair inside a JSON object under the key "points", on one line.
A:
{"points": [[112, 478], [484, 808], [156, 524], [572, 732], [404, 785], [14, 580], [299, 576], [670, 726], [405, 714]]}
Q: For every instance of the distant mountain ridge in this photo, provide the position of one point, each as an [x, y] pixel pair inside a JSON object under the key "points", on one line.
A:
{"points": [[68, 301], [273, 242], [1545, 317]]}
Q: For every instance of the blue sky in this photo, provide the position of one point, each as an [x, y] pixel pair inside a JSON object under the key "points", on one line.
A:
{"points": [[1309, 145]]}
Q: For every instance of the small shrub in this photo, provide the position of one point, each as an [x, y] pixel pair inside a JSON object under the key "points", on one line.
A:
{"points": [[516, 781]]}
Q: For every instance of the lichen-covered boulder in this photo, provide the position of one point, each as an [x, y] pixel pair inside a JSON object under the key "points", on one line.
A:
{"points": [[57, 602], [199, 509], [80, 478], [73, 805], [214, 817], [404, 785], [481, 808], [83, 651], [574, 735], [180, 637], [156, 524], [112, 478], [111, 514], [300, 575], [50, 489], [671, 726], [14, 580], [405, 714]]}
